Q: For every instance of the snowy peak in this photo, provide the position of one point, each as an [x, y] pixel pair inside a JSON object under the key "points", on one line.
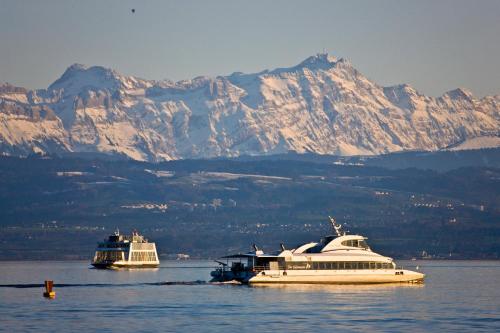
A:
{"points": [[403, 95], [79, 77], [75, 68], [401, 90], [13, 94], [7, 88], [319, 61], [460, 94]]}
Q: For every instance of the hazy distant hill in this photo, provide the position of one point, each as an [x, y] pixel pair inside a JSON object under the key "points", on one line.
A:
{"points": [[322, 105], [442, 160], [60, 207], [439, 160]]}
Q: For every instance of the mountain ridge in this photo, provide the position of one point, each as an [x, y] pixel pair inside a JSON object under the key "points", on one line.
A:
{"points": [[322, 105]]}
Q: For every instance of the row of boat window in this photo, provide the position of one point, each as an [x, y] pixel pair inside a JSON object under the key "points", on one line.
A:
{"points": [[339, 265], [102, 256], [144, 256], [143, 246], [355, 243], [112, 245]]}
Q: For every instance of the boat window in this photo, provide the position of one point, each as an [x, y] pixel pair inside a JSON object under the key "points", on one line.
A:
{"points": [[372, 265], [379, 265], [350, 243], [363, 244], [366, 265], [250, 262]]}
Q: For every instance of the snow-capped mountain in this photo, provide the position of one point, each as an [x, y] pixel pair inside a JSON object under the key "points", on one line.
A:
{"points": [[322, 105]]}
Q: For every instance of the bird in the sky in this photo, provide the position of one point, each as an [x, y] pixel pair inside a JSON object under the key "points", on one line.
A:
{"points": [[133, 10]]}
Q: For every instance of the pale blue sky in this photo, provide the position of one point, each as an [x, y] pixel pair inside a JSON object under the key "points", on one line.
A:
{"points": [[434, 45]]}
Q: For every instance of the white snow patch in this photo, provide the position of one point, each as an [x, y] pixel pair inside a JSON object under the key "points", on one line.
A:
{"points": [[72, 173], [161, 173], [15, 97], [149, 206], [232, 176], [479, 143]]}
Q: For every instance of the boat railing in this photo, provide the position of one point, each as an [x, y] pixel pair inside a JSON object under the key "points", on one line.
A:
{"points": [[260, 268], [255, 268]]}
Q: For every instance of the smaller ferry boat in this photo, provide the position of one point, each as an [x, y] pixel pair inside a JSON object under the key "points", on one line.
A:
{"points": [[336, 259], [125, 251]]}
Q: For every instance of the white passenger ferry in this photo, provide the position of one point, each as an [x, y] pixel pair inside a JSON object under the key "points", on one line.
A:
{"points": [[125, 251], [336, 259]]}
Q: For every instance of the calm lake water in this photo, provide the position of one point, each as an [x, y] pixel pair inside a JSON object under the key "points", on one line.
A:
{"points": [[457, 296]]}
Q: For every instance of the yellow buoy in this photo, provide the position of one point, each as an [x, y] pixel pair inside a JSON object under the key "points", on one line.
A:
{"points": [[49, 293]]}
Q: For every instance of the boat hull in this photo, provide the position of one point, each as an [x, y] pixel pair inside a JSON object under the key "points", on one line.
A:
{"points": [[337, 277], [315, 277]]}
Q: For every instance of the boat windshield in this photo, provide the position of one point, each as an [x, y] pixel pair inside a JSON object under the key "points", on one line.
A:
{"points": [[361, 243], [327, 239]]}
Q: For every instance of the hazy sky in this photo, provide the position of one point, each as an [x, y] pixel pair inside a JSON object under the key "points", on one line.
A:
{"points": [[433, 45]]}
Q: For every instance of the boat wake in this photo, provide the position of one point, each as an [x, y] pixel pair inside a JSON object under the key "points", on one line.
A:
{"points": [[104, 285]]}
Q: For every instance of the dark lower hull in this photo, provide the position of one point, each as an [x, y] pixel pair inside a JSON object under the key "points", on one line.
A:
{"points": [[227, 276], [113, 265]]}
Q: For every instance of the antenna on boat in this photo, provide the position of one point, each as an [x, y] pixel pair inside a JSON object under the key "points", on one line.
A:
{"points": [[282, 247], [117, 232], [336, 227], [255, 247]]}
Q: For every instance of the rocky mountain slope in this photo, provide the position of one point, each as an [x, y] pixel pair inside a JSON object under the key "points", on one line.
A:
{"points": [[323, 105]]}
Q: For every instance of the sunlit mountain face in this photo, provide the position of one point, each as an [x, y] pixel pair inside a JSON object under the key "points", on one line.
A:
{"points": [[323, 105]]}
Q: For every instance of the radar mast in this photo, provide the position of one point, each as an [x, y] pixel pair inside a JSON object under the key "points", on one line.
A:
{"points": [[337, 227]]}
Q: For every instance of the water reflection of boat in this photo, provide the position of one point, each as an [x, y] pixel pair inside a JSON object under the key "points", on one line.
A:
{"points": [[336, 259], [125, 251]]}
